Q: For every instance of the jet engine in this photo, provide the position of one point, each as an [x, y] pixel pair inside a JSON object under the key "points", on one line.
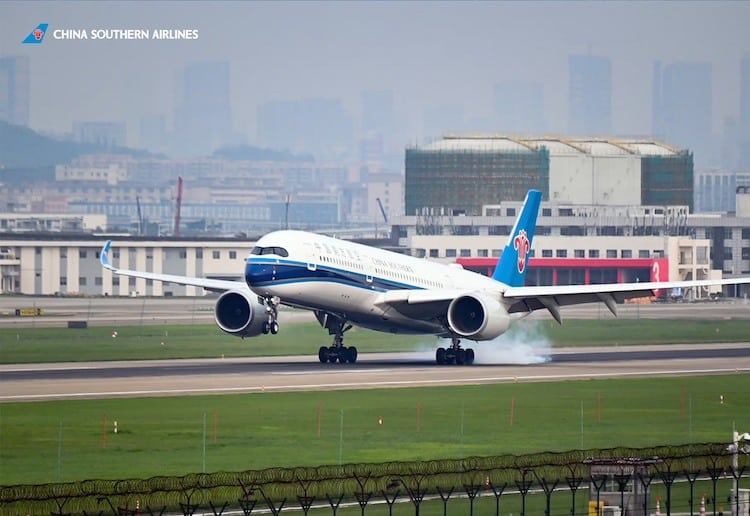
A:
{"points": [[240, 314], [477, 317]]}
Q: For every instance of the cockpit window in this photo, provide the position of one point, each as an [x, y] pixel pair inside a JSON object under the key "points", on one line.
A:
{"points": [[280, 251]]}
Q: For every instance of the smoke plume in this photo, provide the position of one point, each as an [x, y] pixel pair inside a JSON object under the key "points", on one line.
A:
{"points": [[524, 343]]}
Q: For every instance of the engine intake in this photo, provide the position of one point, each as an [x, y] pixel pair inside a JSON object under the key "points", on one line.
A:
{"points": [[477, 317], [240, 314]]}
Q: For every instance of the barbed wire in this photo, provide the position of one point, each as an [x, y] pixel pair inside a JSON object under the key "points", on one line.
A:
{"points": [[272, 486]]}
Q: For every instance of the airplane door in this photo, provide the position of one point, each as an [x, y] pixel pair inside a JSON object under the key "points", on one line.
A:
{"points": [[369, 270], [312, 262]]}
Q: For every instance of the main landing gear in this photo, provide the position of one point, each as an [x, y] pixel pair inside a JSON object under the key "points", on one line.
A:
{"points": [[272, 315], [455, 354], [336, 326]]}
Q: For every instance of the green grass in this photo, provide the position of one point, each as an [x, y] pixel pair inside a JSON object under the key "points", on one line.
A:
{"points": [[73, 440], [29, 345]]}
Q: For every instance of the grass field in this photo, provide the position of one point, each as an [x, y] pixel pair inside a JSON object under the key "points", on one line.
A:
{"points": [[73, 440], [207, 341]]}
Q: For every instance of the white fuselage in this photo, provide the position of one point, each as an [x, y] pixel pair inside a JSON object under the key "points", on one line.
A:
{"points": [[348, 279]]}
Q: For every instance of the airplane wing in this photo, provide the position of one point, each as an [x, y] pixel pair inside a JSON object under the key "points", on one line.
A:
{"points": [[215, 285], [553, 297], [430, 303]]}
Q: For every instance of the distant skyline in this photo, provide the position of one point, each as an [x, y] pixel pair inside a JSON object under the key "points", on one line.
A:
{"points": [[434, 57]]}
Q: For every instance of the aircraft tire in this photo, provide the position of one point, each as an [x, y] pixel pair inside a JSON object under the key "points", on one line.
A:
{"points": [[352, 355], [450, 357], [323, 354], [333, 355], [460, 356], [274, 328], [266, 328], [469, 357], [440, 356]]}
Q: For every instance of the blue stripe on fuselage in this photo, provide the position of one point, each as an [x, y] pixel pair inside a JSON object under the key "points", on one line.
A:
{"points": [[261, 272]]}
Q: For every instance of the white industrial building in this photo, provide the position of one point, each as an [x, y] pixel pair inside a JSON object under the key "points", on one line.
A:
{"points": [[41, 265]]}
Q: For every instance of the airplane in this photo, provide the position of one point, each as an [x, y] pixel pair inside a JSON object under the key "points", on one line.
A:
{"points": [[346, 284]]}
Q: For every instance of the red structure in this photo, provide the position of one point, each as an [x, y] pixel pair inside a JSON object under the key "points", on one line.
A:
{"points": [[581, 271]]}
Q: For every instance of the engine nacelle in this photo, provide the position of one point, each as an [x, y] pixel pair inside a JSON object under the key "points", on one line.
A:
{"points": [[477, 317], [240, 314]]}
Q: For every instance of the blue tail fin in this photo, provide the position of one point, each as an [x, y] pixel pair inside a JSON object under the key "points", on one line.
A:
{"points": [[512, 266]]}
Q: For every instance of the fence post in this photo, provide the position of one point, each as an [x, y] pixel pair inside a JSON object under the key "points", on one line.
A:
{"points": [[445, 498], [574, 483], [523, 486]]}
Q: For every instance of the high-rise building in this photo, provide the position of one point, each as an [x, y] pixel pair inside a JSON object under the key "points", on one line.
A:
{"points": [[519, 107], [319, 126], [378, 114], [14, 90], [744, 123], [589, 95], [203, 118], [682, 107]]}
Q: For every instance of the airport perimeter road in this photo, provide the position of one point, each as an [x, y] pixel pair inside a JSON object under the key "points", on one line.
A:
{"points": [[199, 310], [256, 375]]}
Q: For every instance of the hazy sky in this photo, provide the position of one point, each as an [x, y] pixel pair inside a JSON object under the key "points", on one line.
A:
{"points": [[426, 52]]}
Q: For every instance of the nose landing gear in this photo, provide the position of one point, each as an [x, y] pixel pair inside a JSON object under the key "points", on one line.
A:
{"points": [[272, 314]]}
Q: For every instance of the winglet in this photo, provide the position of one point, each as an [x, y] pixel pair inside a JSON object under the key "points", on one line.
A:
{"points": [[512, 266], [104, 256]]}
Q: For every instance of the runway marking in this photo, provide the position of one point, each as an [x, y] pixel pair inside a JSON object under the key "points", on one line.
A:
{"points": [[38, 369], [319, 371], [373, 384]]}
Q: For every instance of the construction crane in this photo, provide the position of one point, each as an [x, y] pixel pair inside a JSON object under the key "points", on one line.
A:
{"points": [[382, 211], [140, 216], [177, 216]]}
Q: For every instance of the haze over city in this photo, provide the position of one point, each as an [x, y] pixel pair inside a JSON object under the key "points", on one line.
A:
{"points": [[432, 56]]}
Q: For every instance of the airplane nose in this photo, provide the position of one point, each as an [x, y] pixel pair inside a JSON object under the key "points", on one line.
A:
{"points": [[256, 273]]}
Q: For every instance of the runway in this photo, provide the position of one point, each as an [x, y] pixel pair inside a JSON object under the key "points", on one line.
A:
{"points": [[277, 374]]}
